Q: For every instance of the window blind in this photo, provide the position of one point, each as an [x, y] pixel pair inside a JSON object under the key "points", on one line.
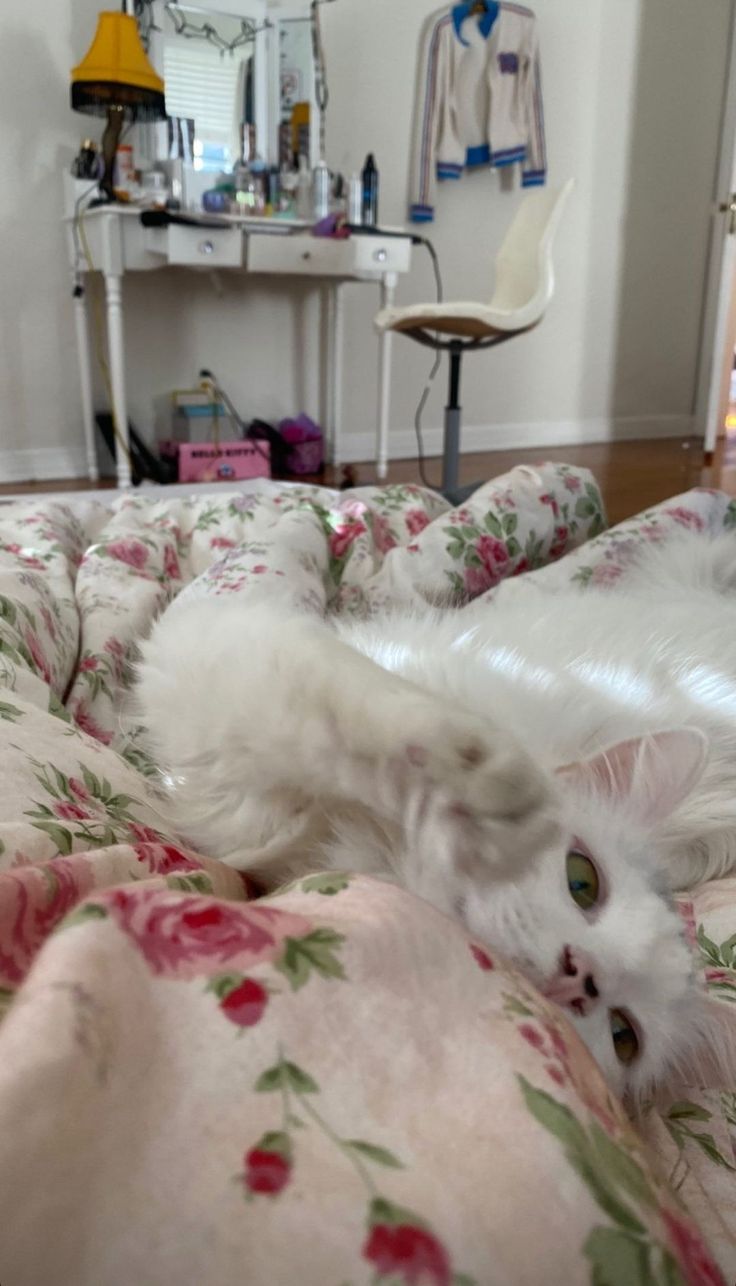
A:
{"points": [[202, 85]]}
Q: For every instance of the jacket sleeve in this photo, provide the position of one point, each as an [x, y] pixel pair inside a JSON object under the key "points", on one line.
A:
{"points": [[426, 124], [534, 168]]}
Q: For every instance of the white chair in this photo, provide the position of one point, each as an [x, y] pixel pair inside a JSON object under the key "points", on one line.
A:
{"points": [[524, 285]]}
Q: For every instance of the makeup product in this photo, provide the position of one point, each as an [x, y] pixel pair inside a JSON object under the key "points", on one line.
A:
{"points": [[87, 162], [304, 190], [320, 191], [216, 202], [154, 188], [124, 166], [370, 192], [259, 177], [288, 191], [355, 199], [274, 189]]}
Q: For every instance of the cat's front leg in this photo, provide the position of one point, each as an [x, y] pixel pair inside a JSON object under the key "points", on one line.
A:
{"points": [[464, 792], [259, 715]]}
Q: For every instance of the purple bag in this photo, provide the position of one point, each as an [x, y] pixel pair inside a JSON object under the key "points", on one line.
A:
{"points": [[306, 443]]}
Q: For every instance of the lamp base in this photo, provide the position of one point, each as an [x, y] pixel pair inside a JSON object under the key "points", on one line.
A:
{"points": [[110, 144], [102, 199]]}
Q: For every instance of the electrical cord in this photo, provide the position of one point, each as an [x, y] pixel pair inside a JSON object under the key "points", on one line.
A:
{"points": [[82, 251], [219, 395], [78, 254], [76, 226], [424, 241]]}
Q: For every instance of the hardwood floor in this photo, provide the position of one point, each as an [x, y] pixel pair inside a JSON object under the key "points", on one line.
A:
{"points": [[632, 475]]}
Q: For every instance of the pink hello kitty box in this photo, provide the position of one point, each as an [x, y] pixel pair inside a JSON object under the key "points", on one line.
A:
{"points": [[226, 462]]}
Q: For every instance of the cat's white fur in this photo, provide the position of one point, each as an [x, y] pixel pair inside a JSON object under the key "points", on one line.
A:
{"points": [[463, 753]]}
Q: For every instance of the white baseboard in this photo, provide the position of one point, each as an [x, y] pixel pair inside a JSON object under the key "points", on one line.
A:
{"points": [[355, 447], [42, 463]]}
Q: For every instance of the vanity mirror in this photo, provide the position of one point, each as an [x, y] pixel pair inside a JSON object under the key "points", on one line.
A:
{"points": [[244, 72]]}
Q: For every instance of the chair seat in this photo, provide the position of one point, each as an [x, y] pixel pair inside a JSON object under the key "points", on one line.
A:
{"points": [[523, 282], [469, 320]]}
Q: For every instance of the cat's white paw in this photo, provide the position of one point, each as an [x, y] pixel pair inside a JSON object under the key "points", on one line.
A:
{"points": [[481, 798]]}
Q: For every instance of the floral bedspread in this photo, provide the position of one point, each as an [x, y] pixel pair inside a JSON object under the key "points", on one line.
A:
{"points": [[331, 1086]]}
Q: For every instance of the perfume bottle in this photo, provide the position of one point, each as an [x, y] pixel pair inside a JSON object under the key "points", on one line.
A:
{"points": [[304, 190], [321, 191]]}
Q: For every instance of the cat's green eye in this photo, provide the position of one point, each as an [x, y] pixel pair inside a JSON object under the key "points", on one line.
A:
{"points": [[625, 1039], [582, 880]]}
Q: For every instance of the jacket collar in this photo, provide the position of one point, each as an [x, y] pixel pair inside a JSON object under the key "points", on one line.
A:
{"points": [[487, 19]]}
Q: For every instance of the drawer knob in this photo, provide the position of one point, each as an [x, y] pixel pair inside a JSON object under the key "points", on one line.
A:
{"points": [[307, 254], [380, 256], [206, 248]]}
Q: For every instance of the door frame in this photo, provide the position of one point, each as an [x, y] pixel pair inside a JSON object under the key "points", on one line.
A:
{"points": [[718, 330]]}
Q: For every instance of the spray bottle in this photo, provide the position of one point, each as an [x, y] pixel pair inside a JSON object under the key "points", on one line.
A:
{"points": [[370, 192]]}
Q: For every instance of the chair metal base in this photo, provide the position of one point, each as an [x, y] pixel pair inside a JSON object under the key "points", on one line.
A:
{"points": [[453, 411], [458, 495], [453, 425]]}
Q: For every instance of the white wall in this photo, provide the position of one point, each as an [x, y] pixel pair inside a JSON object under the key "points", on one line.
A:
{"points": [[632, 99], [39, 411]]}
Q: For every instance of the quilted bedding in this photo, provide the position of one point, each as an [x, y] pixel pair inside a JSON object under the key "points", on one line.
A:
{"points": [[331, 1086]]}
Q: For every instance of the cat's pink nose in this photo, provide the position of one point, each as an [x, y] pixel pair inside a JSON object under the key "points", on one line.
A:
{"points": [[573, 985]]}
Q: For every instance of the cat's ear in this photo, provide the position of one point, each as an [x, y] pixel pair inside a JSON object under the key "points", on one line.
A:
{"points": [[649, 775]]}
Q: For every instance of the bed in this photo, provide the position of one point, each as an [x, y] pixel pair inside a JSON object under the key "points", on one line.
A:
{"points": [[331, 1086]]}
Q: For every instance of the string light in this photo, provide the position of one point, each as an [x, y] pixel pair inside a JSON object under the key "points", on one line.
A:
{"points": [[207, 31], [248, 31], [321, 88], [143, 13]]}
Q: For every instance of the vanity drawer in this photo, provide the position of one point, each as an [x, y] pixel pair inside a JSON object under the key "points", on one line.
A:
{"points": [[300, 255], [381, 254], [304, 255], [205, 247]]}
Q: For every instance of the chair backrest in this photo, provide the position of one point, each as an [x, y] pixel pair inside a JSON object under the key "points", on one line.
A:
{"points": [[524, 274]]}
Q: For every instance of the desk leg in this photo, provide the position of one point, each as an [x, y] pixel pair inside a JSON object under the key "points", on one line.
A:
{"points": [[388, 294], [85, 381], [335, 373], [116, 353]]}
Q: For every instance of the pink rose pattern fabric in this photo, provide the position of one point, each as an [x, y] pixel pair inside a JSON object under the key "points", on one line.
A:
{"points": [[264, 1065], [604, 560], [190, 937]]}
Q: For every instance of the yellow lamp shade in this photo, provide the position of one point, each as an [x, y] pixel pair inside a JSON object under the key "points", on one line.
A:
{"points": [[116, 72]]}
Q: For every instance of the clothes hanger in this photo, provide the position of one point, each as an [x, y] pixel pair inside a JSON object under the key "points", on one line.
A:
{"points": [[479, 7]]}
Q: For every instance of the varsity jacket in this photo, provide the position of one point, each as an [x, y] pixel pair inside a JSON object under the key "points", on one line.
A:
{"points": [[479, 99]]}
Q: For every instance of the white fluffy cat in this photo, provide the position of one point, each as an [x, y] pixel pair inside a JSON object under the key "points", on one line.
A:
{"points": [[545, 767]]}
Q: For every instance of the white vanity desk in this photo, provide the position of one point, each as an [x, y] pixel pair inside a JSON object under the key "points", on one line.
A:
{"points": [[114, 242]]}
